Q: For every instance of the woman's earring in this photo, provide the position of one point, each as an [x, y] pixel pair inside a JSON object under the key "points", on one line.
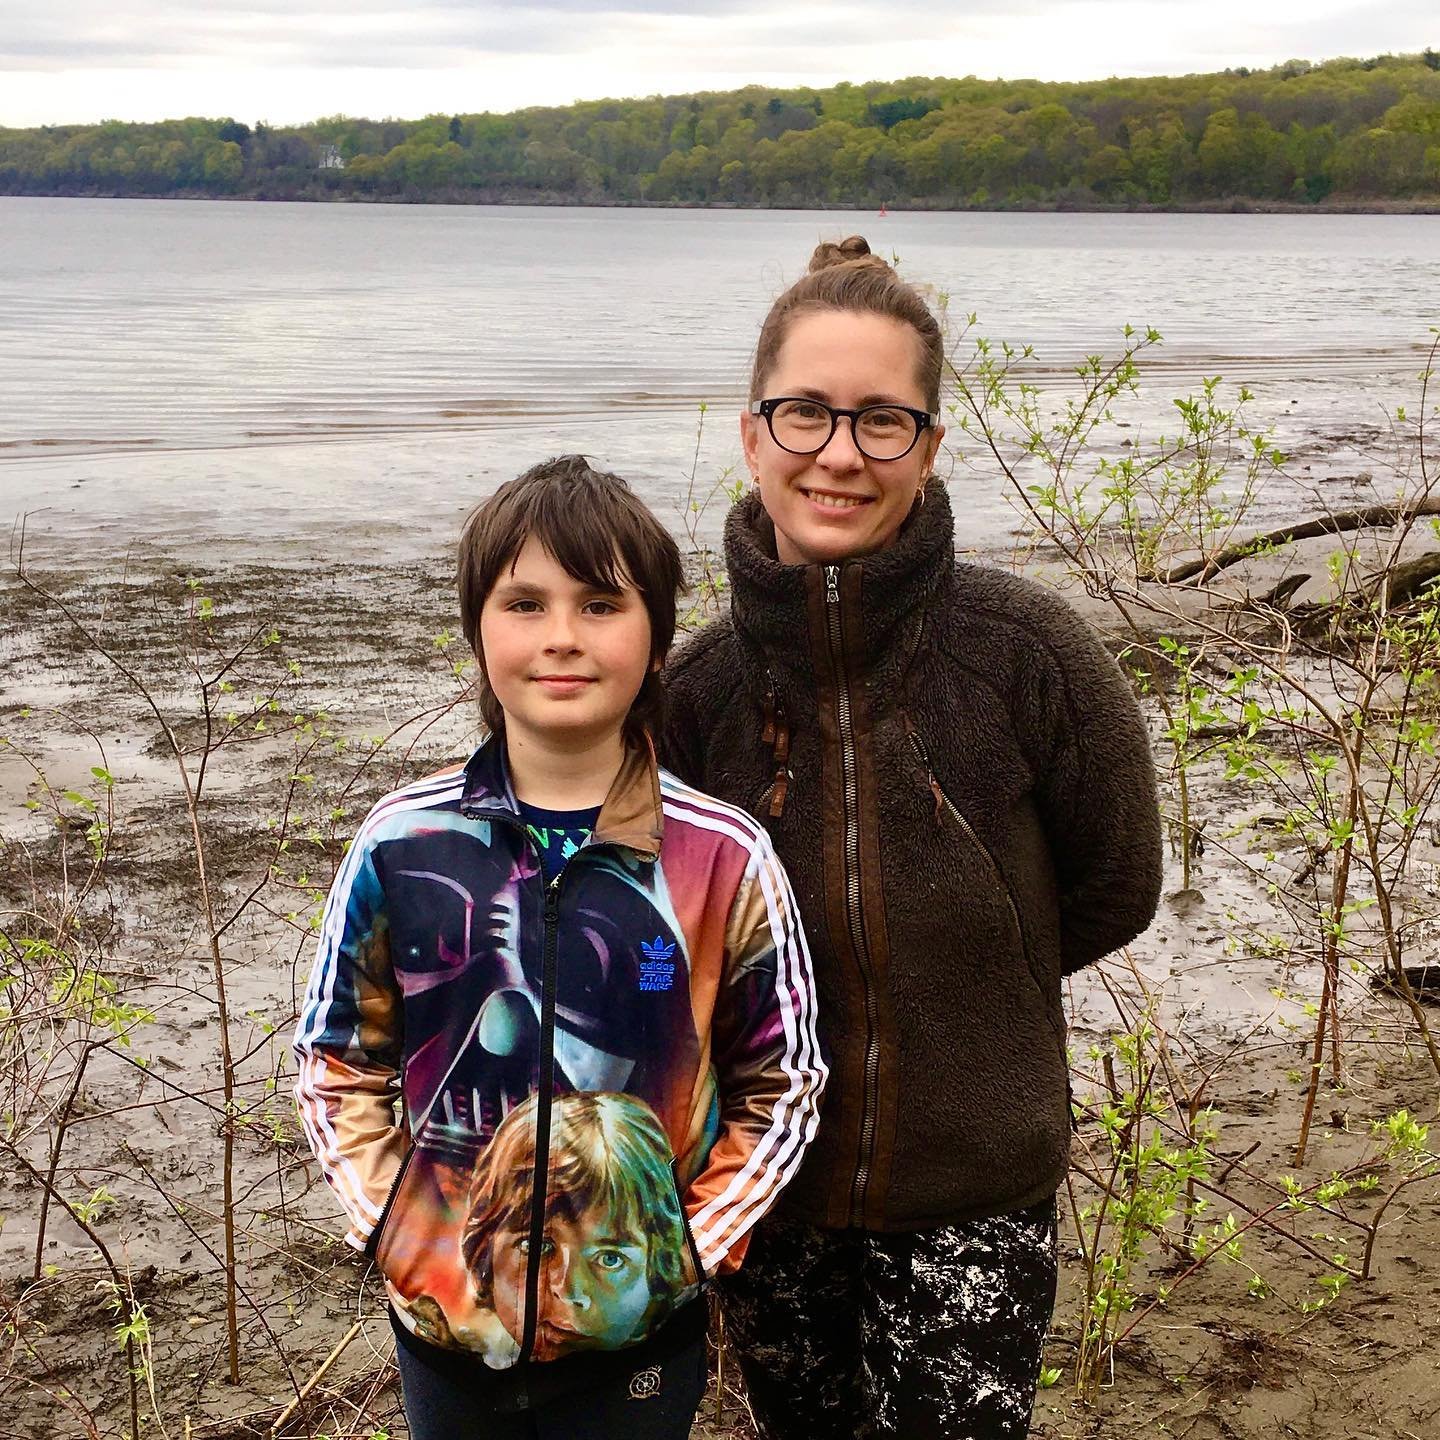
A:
{"points": [[919, 499]]}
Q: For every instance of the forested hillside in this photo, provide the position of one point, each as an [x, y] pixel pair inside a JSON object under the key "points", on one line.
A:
{"points": [[1354, 130]]}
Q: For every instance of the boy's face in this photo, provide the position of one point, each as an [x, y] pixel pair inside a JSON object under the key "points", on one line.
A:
{"points": [[565, 661]]}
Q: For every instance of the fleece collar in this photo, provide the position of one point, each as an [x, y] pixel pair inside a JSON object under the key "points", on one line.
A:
{"points": [[773, 605]]}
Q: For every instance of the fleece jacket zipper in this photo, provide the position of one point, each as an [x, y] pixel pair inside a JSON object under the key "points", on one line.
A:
{"points": [[849, 769]]}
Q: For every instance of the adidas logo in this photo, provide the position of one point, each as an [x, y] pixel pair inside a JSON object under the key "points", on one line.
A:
{"points": [[657, 969]]}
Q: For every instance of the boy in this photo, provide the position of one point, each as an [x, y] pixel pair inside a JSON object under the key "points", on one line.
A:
{"points": [[588, 987]]}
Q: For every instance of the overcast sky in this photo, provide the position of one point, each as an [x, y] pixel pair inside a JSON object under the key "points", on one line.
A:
{"points": [[293, 60]]}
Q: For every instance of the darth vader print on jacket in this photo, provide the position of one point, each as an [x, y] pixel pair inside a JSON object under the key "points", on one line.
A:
{"points": [[603, 1080]]}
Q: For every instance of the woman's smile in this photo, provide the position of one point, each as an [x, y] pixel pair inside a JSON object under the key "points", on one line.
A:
{"points": [[833, 500]]}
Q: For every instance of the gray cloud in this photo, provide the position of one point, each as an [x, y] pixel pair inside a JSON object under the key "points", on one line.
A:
{"points": [[372, 34], [322, 34], [382, 34], [752, 38]]}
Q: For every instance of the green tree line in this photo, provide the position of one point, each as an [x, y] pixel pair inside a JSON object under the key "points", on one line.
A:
{"points": [[1363, 130]]}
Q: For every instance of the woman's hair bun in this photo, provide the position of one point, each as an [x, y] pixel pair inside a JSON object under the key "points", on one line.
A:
{"points": [[842, 252], [846, 277]]}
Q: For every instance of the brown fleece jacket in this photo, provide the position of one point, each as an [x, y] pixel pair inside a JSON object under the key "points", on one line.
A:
{"points": [[957, 778]]}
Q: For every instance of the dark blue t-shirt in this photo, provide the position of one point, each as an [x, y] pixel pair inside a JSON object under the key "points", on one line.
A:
{"points": [[557, 834]]}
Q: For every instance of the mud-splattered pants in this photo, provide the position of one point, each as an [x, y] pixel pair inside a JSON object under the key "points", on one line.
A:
{"points": [[935, 1335]]}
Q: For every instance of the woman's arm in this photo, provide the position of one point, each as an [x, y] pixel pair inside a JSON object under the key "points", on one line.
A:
{"points": [[1098, 800]]}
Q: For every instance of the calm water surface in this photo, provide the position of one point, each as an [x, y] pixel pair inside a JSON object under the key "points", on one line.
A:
{"points": [[178, 370]]}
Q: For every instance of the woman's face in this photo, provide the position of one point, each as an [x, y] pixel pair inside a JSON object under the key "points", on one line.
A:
{"points": [[594, 1285], [838, 503]]}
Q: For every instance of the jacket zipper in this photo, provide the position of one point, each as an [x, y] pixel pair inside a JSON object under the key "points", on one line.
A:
{"points": [[372, 1243], [968, 831], [544, 1104], [545, 1094], [545, 1097], [849, 766]]}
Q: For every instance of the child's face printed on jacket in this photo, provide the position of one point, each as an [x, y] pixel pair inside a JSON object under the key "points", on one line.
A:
{"points": [[838, 503], [565, 661], [594, 1285]]}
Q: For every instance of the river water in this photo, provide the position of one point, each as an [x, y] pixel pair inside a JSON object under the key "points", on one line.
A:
{"points": [[187, 373]]}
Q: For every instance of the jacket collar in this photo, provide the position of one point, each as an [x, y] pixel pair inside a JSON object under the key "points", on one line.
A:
{"points": [[773, 605], [630, 815]]}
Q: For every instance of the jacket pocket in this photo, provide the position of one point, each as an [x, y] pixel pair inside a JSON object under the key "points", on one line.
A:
{"points": [[377, 1235], [946, 806]]}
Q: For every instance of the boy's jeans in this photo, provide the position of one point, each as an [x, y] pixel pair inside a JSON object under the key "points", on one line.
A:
{"points": [[654, 1399]]}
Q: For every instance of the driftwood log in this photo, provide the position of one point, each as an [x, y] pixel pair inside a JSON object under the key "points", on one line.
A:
{"points": [[1278, 597], [1406, 581], [1205, 567], [1396, 587]]}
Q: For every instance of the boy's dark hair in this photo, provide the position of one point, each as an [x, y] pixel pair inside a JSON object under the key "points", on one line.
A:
{"points": [[600, 534]]}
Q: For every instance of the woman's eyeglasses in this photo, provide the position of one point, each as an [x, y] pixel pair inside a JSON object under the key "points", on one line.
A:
{"points": [[804, 427]]}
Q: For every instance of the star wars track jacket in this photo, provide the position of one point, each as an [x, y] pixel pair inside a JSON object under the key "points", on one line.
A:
{"points": [[958, 780], [604, 1081]]}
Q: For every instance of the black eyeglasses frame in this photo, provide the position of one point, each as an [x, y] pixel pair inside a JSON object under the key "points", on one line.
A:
{"points": [[924, 420]]}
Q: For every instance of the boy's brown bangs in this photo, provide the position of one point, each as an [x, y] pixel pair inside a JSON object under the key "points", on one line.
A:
{"points": [[591, 540], [496, 534]]}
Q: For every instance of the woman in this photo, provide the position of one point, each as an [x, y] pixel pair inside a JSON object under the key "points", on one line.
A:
{"points": [[957, 778]]}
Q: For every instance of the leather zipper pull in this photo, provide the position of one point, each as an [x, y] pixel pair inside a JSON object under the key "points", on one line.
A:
{"points": [[777, 793], [782, 768], [782, 741]]}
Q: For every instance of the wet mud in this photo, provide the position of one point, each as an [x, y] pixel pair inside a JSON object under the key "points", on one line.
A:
{"points": [[365, 652]]}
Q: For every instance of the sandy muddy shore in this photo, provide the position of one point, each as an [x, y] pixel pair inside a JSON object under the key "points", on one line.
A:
{"points": [[1249, 1347]]}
